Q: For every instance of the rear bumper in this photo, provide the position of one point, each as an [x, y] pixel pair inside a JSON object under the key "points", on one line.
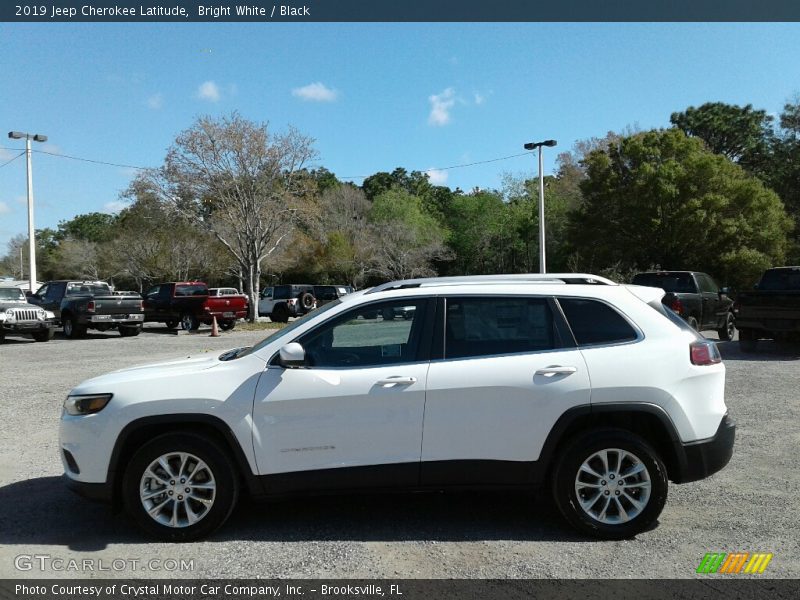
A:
{"points": [[705, 457]]}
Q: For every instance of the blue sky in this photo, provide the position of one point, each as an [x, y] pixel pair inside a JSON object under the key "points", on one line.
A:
{"points": [[374, 96]]}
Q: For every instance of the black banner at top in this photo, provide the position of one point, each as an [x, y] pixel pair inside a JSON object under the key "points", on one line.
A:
{"points": [[396, 10]]}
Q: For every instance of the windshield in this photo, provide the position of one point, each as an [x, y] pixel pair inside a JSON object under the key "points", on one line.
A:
{"points": [[11, 294], [288, 329], [191, 290]]}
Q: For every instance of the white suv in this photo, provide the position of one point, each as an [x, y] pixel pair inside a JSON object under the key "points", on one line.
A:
{"points": [[497, 382]]}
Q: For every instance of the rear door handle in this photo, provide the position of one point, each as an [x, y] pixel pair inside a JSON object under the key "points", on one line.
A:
{"points": [[397, 381], [556, 370]]}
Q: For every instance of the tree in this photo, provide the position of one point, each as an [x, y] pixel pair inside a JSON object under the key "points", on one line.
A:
{"points": [[738, 132], [410, 239], [245, 185], [662, 198]]}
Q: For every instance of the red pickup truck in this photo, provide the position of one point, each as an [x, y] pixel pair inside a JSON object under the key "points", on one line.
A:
{"points": [[227, 304]]}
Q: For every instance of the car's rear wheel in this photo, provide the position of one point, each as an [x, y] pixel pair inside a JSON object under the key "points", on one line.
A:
{"points": [[130, 331], [747, 340], [280, 314], [72, 329], [692, 323], [227, 325], [180, 487], [610, 483], [172, 323], [189, 322], [45, 335], [728, 329]]}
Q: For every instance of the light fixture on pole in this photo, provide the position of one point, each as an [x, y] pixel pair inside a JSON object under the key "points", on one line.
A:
{"points": [[533, 146], [18, 135]]}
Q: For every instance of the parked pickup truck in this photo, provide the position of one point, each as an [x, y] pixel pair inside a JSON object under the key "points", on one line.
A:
{"points": [[227, 304], [17, 317], [177, 303], [771, 310], [696, 297], [82, 305]]}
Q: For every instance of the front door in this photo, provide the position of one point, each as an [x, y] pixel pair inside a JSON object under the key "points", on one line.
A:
{"points": [[352, 418]]}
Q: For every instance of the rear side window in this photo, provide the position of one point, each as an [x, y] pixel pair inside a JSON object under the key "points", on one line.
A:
{"points": [[781, 280], [281, 292], [191, 290], [489, 326], [593, 322]]}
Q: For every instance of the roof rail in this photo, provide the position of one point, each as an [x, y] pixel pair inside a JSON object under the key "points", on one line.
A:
{"points": [[568, 278]]}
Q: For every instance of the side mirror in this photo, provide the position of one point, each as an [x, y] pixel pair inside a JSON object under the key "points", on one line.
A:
{"points": [[292, 355], [726, 291]]}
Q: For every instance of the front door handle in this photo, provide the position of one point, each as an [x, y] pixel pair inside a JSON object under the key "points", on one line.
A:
{"points": [[556, 370], [397, 381]]}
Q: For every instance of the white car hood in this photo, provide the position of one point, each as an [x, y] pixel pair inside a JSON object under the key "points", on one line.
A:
{"points": [[170, 368]]}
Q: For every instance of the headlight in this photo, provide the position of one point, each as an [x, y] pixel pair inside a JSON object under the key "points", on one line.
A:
{"points": [[49, 314], [40, 314], [86, 404]]}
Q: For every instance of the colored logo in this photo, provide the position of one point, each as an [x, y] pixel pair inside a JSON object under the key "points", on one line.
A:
{"points": [[735, 563]]}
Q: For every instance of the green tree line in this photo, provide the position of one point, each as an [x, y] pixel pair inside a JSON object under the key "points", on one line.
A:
{"points": [[236, 203]]}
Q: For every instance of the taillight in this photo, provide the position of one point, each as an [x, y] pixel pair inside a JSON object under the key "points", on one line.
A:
{"points": [[704, 352], [736, 307], [676, 305], [141, 305], [90, 306], [292, 301]]}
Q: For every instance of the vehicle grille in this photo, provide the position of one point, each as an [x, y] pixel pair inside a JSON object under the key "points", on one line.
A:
{"points": [[23, 314]]}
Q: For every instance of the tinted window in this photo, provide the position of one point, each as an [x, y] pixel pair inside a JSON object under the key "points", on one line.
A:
{"points": [[707, 284], [87, 288], [488, 326], [377, 334], [780, 279], [191, 290], [594, 322], [679, 283], [152, 292], [281, 292]]}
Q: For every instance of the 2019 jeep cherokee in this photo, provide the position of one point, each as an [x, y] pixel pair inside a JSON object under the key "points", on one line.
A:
{"points": [[594, 390]]}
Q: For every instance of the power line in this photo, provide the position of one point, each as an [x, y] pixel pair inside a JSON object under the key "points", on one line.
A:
{"points": [[12, 160], [110, 164]]}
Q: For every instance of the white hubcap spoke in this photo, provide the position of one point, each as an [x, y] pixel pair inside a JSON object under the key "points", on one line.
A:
{"points": [[177, 489]]}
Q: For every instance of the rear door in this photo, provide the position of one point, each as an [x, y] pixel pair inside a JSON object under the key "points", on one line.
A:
{"points": [[507, 371]]}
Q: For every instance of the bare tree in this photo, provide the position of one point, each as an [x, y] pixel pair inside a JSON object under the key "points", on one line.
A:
{"points": [[236, 179]]}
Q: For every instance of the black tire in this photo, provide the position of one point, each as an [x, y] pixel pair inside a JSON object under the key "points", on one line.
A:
{"points": [[172, 323], [45, 335], [306, 301], [280, 314], [189, 322], [748, 341], [219, 464], [2, 336], [130, 331], [227, 325], [692, 323], [73, 329], [567, 472], [727, 331]]}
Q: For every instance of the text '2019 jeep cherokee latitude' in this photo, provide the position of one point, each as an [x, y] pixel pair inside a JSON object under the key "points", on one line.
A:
{"points": [[493, 382]]}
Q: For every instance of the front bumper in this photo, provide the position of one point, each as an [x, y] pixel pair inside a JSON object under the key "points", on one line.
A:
{"points": [[25, 326], [98, 492], [701, 459]]}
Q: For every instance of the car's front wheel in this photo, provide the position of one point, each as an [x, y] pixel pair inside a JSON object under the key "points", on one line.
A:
{"points": [[610, 483], [189, 322], [180, 487], [727, 331], [44, 335]]}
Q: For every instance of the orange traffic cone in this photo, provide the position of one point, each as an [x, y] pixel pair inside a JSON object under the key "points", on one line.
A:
{"points": [[214, 329]]}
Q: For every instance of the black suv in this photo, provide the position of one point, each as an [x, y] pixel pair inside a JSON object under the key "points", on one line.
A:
{"points": [[696, 297]]}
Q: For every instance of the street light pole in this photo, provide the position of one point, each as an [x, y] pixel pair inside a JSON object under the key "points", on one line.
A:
{"points": [[542, 238], [16, 135]]}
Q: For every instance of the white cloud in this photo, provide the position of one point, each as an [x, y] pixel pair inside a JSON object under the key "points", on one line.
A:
{"points": [[436, 177], [479, 98], [114, 206], [315, 92], [21, 199], [4, 208], [209, 91], [441, 104], [156, 101]]}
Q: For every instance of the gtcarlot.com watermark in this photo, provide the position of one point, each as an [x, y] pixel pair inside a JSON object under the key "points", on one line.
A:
{"points": [[50, 563]]}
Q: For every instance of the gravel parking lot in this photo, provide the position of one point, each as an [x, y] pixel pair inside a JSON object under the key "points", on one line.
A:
{"points": [[752, 505]]}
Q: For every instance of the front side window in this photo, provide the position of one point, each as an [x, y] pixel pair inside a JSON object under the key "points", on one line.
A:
{"points": [[490, 326], [152, 292], [595, 322], [377, 334]]}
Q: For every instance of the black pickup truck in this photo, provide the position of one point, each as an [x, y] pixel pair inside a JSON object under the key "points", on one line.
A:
{"points": [[82, 305], [176, 303], [696, 297], [771, 310]]}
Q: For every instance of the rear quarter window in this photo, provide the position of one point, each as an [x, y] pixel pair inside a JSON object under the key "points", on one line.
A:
{"points": [[594, 322]]}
